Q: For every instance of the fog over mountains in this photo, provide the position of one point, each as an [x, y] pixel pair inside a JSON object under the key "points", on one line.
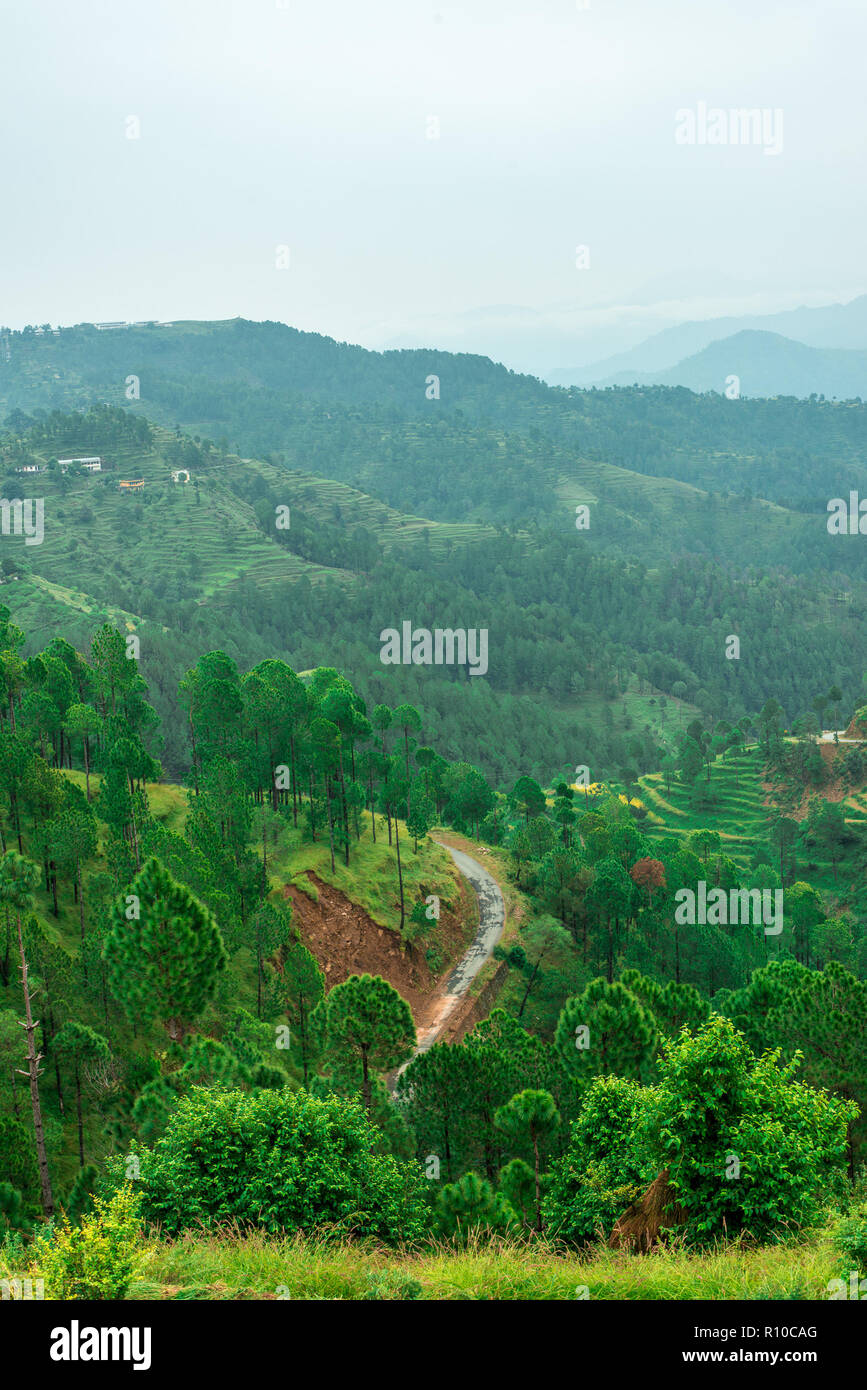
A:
{"points": [[798, 352]]}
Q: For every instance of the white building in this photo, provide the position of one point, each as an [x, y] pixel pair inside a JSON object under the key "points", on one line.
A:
{"points": [[93, 463]]}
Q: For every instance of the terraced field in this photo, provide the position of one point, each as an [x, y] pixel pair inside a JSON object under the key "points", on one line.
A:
{"points": [[736, 805], [641, 507], [732, 802], [326, 500], [205, 533]]}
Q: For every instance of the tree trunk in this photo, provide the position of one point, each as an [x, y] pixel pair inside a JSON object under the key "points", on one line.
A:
{"points": [[81, 914], [399, 872], [538, 1190], [33, 1060], [530, 984], [78, 1113]]}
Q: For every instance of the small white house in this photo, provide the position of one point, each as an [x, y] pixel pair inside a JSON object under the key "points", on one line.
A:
{"points": [[93, 463]]}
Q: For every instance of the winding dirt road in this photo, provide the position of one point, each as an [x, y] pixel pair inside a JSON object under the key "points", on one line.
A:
{"points": [[492, 916]]}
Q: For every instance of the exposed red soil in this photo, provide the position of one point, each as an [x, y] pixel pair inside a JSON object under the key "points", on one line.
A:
{"points": [[346, 941]]}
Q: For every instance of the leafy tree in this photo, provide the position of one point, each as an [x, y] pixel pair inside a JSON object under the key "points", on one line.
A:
{"points": [[421, 814], [270, 928], [650, 874], [529, 798], [747, 1146], [78, 1044], [472, 1205], [304, 988]]}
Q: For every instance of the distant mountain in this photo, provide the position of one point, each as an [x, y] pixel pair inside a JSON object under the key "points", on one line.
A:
{"points": [[766, 364], [842, 326]]}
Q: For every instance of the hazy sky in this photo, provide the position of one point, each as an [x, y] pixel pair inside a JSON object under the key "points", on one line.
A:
{"points": [[305, 125]]}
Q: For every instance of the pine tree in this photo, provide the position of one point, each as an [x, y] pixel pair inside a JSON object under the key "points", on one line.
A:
{"points": [[369, 1022], [533, 1115], [164, 951]]}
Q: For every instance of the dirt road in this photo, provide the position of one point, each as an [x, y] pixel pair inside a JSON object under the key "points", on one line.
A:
{"points": [[492, 915]]}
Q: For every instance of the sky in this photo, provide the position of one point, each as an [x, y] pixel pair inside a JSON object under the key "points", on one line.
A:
{"points": [[408, 173]]}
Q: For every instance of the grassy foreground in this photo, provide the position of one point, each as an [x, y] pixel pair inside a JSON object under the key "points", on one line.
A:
{"points": [[256, 1266]]}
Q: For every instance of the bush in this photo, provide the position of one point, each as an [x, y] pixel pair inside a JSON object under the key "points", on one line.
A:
{"points": [[850, 1238], [280, 1160], [472, 1205], [605, 1166], [13, 1210], [96, 1259], [586, 1210], [749, 1147]]}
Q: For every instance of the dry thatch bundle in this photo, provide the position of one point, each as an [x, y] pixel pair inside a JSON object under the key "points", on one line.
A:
{"points": [[640, 1226]]}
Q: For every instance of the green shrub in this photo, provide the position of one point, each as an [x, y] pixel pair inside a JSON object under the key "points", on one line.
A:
{"points": [[281, 1160], [472, 1205], [850, 1238], [605, 1166], [584, 1211], [96, 1259], [17, 1164], [748, 1147], [13, 1210]]}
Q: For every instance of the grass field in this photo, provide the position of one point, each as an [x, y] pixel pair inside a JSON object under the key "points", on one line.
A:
{"points": [[256, 1266]]}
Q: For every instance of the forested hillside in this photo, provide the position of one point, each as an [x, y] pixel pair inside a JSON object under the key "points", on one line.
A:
{"points": [[232, 825], [182, 1000], [609, 574]]}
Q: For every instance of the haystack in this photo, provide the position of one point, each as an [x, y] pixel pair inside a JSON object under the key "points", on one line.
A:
{"points": [[640, 1226]]}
